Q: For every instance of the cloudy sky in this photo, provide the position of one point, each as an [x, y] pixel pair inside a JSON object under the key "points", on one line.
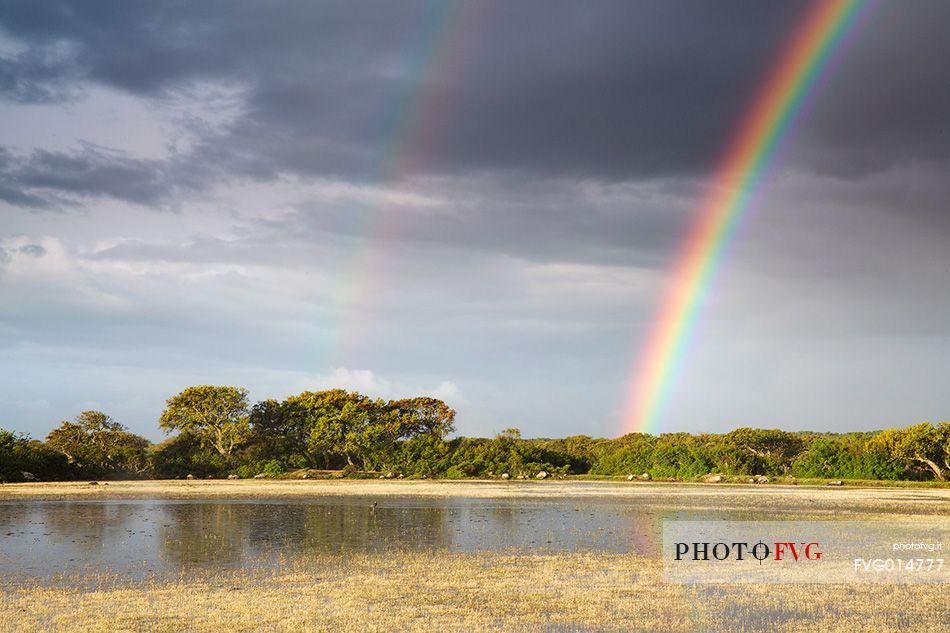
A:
{"points": [[478, 201]]}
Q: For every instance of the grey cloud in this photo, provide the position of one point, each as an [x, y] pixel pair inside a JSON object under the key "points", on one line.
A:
{"points": [[50, 180], [888, 97], [614, 91], [38, 76], [33, 250]]}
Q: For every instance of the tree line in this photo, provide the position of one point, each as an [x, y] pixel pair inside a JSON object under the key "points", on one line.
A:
{"points": [[217, 432]]}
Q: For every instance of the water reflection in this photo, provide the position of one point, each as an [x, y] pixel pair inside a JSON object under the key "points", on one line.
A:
{"points": [[137, 538]]}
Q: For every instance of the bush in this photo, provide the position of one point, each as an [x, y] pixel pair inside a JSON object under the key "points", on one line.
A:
{"points": [[184, 455], [19, 454]]}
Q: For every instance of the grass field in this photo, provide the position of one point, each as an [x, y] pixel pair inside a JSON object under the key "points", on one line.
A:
{"points": [[467, 592], [496, 591]]}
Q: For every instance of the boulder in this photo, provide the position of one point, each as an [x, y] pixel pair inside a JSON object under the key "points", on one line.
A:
{"points": [[629, 477], [505, 476], [836, 483], [713, 479], [390, 475], [260, 476], [232, 476], [189, 476], [542, 475], [306, 476], [761, 479], [645, 476]]}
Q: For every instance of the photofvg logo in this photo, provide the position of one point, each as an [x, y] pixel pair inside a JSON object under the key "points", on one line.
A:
{"points": [[699, 552], [761, 551]]}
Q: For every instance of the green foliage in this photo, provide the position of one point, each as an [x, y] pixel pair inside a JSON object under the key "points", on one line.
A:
{"points": [[923, 448], [271, 468], [336, 429], [98, 446], [183, 455], [216, 416], [19, 454]]}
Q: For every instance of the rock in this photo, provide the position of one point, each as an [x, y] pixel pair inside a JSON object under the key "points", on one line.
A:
{"points": [[505, 476], [645, 476], [27, 476], [210, 477], [629, 477], [836, 483], [390, 475], [93, 483], [542, 475], [260, 476], [306, 476], [761, 479], [189, 476], [752, 481], [233, 476], [714, 479]]}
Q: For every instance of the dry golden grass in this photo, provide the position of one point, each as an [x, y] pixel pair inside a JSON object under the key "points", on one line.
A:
{"points": [[692, 495], [470, 592]]}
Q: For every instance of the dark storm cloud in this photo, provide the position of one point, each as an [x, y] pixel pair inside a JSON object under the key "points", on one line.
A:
{"points": [[611, 91], [607, 90]]}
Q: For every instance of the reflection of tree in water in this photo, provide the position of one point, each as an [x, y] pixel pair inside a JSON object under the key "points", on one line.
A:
{"points": [[238, 534], [53, 537], [204, 533], [94, 523], [358, 526]]}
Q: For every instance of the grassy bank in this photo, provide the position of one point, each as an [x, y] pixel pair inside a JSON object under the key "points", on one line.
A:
{"points": [[484, 592]]}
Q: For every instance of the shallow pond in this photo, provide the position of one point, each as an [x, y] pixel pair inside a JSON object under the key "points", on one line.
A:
{"points": [[139, 538]]}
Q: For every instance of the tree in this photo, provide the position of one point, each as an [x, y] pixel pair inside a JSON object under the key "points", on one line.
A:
{"points": [[349, 425], [422, 415], [280, 432], [775, 446], [19, 454], [923, 444], [98, 445], [217, 416]]}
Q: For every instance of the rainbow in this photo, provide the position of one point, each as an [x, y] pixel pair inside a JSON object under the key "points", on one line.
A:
{"points": [[779, 104], [436, 44]]}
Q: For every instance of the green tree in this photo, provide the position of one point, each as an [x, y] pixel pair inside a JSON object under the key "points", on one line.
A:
{"points": [[217, 416], [19, 454], [778, 448], [98, 445], [280, 432], [326, 426], [923, 444], [422, 416]]}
